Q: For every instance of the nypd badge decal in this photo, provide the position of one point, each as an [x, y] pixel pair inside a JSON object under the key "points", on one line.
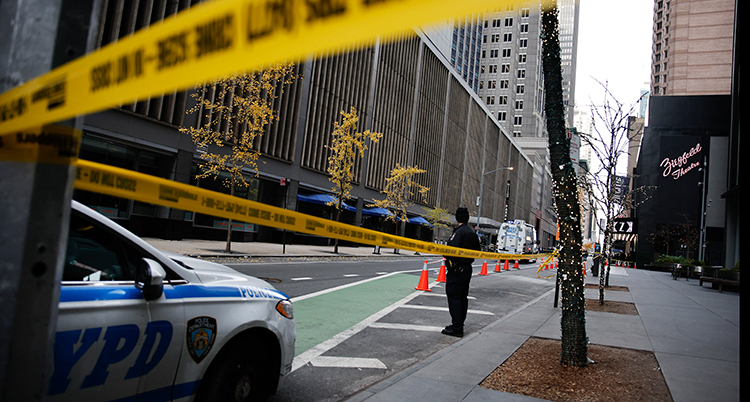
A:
{"points": [[201, 334]]}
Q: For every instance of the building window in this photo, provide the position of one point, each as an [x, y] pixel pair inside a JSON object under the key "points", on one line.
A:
{"points": [[517, 120], [524, 28], [506, 53], [504, 84], [502, 100], [523, 43], [505, 68], [519, 105], [490, 100], [508, 37], [522, 58], [519, 89], [501, 116], [493, 68]]}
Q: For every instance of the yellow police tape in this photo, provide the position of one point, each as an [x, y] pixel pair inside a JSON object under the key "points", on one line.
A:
{"points": [[547, 260], [210, 40], [54, 144], [137, 186]]}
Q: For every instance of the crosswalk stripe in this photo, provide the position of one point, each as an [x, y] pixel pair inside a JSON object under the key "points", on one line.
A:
{"points": [[408, 327], [347, 362], [434, 308]]}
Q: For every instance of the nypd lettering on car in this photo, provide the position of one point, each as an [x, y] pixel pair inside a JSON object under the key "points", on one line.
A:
{"points": [[138, 324]]}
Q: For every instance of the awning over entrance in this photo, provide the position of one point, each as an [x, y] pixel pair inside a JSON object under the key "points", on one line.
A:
{"points": [[486, 225], [420, 221], [324, 199], [382, 212]]}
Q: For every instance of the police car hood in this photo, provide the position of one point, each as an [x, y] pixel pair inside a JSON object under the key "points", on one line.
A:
{"points": [[211, 272]]}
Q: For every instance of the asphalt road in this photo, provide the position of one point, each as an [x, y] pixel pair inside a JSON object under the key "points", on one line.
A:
{"points": [[360, 321]]}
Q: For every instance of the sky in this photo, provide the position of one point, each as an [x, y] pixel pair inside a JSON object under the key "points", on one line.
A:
{"points": [[614, 45]]}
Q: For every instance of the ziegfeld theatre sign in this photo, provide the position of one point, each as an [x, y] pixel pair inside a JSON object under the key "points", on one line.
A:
{"points": [[679, 166], [678, 172]]}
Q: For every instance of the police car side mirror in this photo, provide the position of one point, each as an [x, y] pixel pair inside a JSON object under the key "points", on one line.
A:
{"points": [[149, 278]]}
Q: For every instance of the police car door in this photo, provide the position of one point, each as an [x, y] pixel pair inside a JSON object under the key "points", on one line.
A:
{"points": [[109, 339]]}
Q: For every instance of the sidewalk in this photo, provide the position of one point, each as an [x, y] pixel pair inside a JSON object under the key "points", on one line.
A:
{"points": [[693, 331]]}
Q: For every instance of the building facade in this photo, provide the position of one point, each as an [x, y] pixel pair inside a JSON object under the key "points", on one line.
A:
{"points": [[692, 49], [402, 87]]}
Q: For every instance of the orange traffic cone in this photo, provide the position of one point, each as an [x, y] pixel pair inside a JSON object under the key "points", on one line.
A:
{"points": [[497, 266], [484, 269], [424, 280], [515, 266], [505, 267], [441, 274]]}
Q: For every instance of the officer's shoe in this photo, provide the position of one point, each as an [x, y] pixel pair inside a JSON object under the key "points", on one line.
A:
{"points": [[452, 332]]}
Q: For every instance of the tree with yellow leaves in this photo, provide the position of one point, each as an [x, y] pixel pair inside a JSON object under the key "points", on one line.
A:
{"points": [[400, 186], [233, 112], [438, 217], [347, 148]]}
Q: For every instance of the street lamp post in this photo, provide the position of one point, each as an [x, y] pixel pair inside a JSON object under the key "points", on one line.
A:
{"points": [[481, 189]]}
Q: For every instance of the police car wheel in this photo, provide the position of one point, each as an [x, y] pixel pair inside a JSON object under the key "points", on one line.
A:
{"points": [[236, 379]]}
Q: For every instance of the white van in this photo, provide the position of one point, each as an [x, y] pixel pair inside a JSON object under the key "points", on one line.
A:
{"points": [[138, 324]]}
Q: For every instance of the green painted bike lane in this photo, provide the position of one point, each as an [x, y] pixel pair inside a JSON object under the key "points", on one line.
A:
{"points": [[321, 317]]}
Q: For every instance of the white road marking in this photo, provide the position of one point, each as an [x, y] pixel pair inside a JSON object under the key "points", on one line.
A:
{"points": [[407, 327], [347, 362], [443, 296], [314, 352], [305, 278], [434, 308]]}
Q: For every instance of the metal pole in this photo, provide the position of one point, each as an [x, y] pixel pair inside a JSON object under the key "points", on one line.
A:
{"points": [[37, 36]]}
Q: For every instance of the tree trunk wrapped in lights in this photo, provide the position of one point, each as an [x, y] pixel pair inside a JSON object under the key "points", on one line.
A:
{"points": [[573, 322]]}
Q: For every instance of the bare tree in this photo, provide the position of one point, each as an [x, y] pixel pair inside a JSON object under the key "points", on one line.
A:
{"points": [[611, 139]]}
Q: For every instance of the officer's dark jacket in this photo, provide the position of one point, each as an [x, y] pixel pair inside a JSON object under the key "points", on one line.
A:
{"points": [[463, 237]]}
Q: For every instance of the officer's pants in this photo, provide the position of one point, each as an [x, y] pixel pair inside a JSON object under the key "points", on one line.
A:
{"points": [[457, 290]]}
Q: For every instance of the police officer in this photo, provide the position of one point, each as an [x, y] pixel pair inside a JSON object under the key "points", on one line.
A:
{"points": [[459, 274]]}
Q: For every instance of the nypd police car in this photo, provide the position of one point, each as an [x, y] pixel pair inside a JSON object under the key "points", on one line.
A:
{"points": [[135, 323]]}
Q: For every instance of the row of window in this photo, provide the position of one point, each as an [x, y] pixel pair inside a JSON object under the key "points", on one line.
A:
{"points": [[504, 69], [523, 43], [520, 89], [503, 100], [502, 116], [508, 21]]}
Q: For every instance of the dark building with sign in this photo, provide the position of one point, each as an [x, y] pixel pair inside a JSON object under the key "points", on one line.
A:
{"points": [[684, 155], [691, 147]]}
